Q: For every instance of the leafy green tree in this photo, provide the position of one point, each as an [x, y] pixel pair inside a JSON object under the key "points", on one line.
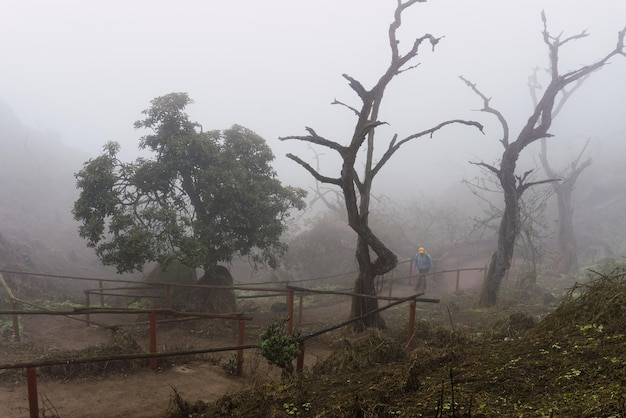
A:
{"points": [[203, 198]]}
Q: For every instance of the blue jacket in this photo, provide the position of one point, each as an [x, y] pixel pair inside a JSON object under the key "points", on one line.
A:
{"points": [[422, 262]]}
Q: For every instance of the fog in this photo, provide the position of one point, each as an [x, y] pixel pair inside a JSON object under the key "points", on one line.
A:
{"points": [[85, 71], [78, 74]]}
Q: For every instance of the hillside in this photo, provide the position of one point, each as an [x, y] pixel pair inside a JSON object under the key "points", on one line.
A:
{"points": [[37, 232]]}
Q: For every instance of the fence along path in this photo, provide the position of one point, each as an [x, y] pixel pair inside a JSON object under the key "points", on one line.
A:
{"points": [[153, 355]]}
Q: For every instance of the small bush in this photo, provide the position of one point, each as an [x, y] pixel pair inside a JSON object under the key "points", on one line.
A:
{"points": [[278, 347]]}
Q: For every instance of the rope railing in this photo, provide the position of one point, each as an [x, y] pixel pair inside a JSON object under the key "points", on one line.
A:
{"points": [[153, 355]]}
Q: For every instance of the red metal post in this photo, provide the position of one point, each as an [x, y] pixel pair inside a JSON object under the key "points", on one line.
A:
{"points": [[153, 342], [240, 341], [411, 320], [300, 362], [33, 400], [290, 312]]}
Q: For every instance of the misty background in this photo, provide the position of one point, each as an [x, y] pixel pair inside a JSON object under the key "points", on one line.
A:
{"points": [[77, 74]]}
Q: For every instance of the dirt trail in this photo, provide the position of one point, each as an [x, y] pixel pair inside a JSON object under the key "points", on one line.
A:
{"points": [[146, 393], [143, 394]]}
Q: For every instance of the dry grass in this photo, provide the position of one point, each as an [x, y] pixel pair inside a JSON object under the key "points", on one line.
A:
{"points": [[573, 363]]}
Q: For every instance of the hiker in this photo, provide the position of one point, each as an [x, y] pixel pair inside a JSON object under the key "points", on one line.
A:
{"points": [[423, 263]]}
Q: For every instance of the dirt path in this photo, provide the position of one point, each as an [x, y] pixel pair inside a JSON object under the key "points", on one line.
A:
{"points": [[146, 393], [143, 394]]}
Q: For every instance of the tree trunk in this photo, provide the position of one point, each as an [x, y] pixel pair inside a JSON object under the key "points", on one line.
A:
{"points": [[217, 300], [566, 260], [567, 251], [530, 276], [507, 233], [365, 285]]}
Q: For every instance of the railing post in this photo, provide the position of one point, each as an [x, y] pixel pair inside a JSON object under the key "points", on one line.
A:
{"points": [[290, 312], [33, 399], [458, 278], [87, 307], [168, 296], [240, 341], [411, 321], [390, 286], [153, 343], [300, 362], [101, 295], [16, 322], [300, 309]]}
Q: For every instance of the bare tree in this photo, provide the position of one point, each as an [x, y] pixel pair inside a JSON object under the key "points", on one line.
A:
{"points": [[566, 260], [373, 256], [536, 127], [533, 223]]}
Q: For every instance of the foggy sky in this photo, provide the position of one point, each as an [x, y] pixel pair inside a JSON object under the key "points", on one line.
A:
{"points": [[86, 70]]}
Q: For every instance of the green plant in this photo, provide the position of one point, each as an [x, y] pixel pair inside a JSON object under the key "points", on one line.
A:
{"points": [[69, 304], [142, 303], [6, 327], [278, 347], [292, 410], [230, 366]]}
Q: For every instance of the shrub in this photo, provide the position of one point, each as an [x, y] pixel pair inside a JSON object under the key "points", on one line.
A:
{"points": [[278, 347]]}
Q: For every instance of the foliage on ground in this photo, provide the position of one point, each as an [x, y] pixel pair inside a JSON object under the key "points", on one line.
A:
{"points": [[572, 363]]}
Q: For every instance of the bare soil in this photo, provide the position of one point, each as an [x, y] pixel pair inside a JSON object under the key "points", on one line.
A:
{"points": [[134, 393], [129, 390]]}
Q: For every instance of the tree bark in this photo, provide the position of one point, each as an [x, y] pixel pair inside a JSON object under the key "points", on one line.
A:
{"points": [[507, 233], [365, 285], [566, 260], [217, 300]]}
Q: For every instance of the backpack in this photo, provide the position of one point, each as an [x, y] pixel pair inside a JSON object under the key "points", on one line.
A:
{"points": [[423, 262]]}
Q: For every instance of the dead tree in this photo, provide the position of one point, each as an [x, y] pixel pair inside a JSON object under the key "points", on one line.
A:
{"points": [[566, 260], [373, 256], [536, 127]]}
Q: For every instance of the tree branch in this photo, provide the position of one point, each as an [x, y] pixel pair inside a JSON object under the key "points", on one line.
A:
{"points": [[487, 166], [357, 87], [541, 120], [314, 173], [337, 102], [522, 187], [314, 138], [393, 146], [487, 108]]}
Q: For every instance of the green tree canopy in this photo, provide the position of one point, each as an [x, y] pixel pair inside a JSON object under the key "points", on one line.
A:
{"points": [[203, 197]]}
